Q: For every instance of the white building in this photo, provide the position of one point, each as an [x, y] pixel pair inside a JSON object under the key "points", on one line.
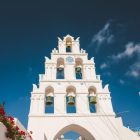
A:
{"points": [[3, 130], [70, 97]]}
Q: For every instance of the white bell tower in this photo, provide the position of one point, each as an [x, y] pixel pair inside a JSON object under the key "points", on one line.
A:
{"points": [[70, 97]]}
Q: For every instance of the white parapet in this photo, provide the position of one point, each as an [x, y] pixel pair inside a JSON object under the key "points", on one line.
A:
{"points": [[3, 130]]}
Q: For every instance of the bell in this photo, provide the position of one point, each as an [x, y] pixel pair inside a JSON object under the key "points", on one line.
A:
{"points": [[78, 69], [61, 67], [92, 100], [49, 100], [71, 101], [68, 44]]}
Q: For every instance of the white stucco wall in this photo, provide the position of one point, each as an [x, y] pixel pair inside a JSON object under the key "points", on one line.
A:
{"points": [[102, 125], [3, 130]]}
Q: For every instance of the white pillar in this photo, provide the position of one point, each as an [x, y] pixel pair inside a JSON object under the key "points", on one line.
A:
{"points": [[34, 108], [69, 72], [86, 72], [92, 73], [82, 103], [54, 71], [48, 72], [104, 104], [59, 104], [42, 104]]}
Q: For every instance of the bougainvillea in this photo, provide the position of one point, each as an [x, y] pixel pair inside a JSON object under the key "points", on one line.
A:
{"points": [[13, 131]]}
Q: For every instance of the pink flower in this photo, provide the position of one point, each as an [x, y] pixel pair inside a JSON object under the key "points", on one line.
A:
{"points": [[30, 137], [22, 133], [17, 128], [10, 118]]}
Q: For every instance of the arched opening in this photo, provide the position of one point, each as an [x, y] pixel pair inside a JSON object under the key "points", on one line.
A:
{"points": [[49, 100], [70, 135], [92, 99], [68, 44], [71, 99], [78, 68], [74, 132], [60, 68]]}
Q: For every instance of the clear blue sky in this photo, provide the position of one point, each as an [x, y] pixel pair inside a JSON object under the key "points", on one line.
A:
{"points": [[109, 31]]}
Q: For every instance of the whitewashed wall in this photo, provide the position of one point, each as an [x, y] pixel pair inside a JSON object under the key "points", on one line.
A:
{"points": [[2, 132], [3, 129]]}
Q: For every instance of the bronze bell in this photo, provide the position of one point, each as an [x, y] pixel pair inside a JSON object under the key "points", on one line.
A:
{"points": [[78, 69], [49, 100], [71, 100], [61, 67], [92, 100], [68, 48]]}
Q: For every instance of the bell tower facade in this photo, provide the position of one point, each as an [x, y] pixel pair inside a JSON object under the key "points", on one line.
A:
{"points": [[70, 97]]}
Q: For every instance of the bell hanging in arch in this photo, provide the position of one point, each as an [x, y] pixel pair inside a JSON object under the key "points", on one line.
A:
{"points": [[71, 101], [49, 100], [61, 67], [68, 47], [78, 69], [92, 100]]}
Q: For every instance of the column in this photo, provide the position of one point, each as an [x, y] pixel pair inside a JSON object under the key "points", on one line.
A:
{"points": [[59, 103], [82, 103], [69, 72]]}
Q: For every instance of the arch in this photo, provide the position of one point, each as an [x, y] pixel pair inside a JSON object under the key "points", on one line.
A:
{"points": [[77, 128], [78, 61], [60, 61], [68, 37], [71, 89], [49, 90], [92, 89], [68, 41]]}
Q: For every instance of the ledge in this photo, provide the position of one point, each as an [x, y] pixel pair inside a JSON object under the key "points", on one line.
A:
{"points": [[72, 115]]}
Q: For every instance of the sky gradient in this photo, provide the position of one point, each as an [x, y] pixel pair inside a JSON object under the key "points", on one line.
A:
{"points": [[109, 31]]}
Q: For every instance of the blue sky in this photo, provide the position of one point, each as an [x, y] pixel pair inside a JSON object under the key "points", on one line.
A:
{"points": [[109, 31]]}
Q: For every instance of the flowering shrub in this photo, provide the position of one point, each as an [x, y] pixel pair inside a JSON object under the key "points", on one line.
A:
{"points": [[13, 131]]}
